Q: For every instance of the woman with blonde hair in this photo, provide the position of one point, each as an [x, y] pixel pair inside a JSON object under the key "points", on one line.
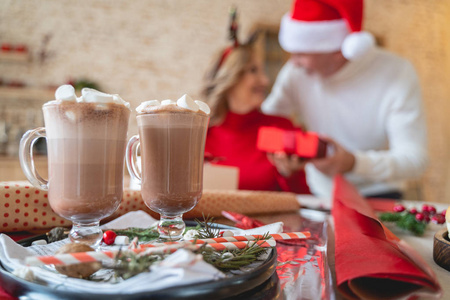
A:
{"points": [[235, 87]]}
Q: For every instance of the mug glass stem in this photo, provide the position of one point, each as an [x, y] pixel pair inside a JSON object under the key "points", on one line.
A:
{"points": [[171, 228], [87, 233]]}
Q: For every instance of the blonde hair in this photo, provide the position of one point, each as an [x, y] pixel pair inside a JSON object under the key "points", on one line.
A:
{"points": [[220, 79]]}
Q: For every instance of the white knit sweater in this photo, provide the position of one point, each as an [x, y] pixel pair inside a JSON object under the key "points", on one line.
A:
{"points": [[372, 107]]}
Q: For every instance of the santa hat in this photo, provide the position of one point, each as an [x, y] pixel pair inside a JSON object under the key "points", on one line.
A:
{"points": [[318, 26]]}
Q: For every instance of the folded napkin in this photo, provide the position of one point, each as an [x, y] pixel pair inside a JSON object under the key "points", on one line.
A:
{"points": [[26, 208], [370, 261]]}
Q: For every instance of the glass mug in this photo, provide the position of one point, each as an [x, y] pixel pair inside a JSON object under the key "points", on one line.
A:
{"points": [[172, 146], [86, 147]]}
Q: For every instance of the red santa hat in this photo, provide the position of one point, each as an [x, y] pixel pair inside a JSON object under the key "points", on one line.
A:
{"points": [[319, 26]]}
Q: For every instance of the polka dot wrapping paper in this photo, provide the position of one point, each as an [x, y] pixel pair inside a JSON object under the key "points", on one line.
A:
{"points": [[26, 208]]}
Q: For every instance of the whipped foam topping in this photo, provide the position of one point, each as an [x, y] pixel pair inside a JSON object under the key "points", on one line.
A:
{"points": [[66, 92], [185, 102]]}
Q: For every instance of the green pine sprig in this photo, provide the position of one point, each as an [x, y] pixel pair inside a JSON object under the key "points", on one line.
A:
{"points": [[405, 221]]}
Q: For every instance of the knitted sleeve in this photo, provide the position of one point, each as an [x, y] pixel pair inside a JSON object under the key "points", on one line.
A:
{"points": [[406, 131], [280, 100]]}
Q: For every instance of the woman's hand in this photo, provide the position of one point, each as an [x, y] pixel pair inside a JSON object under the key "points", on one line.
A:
{"points": [[286, 164]]}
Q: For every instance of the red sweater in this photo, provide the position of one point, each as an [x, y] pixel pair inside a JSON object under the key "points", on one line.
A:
{"points": [[235, 140]]}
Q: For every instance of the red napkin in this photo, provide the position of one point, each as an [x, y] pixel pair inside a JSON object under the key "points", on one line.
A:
{"points": [[370, 261]]}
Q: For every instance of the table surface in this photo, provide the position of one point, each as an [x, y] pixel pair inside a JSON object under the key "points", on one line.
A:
{"points": [[290, 282]]}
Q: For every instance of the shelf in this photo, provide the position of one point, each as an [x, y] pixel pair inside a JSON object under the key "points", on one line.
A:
{"points": [[14, 56], [27, 93]]}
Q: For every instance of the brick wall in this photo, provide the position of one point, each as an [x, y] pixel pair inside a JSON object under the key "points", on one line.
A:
{"points": [[159, 49]]}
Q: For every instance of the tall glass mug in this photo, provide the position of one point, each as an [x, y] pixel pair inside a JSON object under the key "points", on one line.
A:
{"points": [[86, 146], [172, 145]]}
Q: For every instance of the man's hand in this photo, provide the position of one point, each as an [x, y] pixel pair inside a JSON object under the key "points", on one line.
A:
{"points": [[285, 164], [339, 162]]}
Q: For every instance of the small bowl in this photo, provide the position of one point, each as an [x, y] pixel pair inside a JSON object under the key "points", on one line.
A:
{"points": [[441, 249]]}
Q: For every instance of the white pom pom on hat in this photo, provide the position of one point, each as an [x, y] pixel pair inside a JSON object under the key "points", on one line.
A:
{"points": [[319, 26]]}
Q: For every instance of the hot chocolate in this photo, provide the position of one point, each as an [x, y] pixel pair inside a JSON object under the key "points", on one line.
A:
{"points": [[172, 138], [86, 147], [86, 140], [172, 151]]}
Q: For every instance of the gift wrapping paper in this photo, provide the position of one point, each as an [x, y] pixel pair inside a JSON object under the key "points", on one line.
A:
{"points": [[24, 207]]}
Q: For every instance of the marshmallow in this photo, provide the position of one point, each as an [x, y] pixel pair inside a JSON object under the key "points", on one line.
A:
{"points": [[91, 95], [227, 233], [65, 92], [117, 99], [147, 104], [190, 234], [186, 102], [168, 102], [203, 106], [121, 240]]}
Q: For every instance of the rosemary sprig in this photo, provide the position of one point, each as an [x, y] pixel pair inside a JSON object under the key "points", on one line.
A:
{"points": [[207, 229]]}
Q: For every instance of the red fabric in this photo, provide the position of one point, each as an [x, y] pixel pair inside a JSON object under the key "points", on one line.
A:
{"points": [[235, 140], [313, 10], [326, 10], [364, 248]]}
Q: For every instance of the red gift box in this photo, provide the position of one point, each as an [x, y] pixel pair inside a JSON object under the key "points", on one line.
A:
{"points": [[296, 141]]}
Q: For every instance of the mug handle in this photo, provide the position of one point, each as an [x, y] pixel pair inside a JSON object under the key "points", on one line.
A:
{"points": [[130, 158], [26, 157]]}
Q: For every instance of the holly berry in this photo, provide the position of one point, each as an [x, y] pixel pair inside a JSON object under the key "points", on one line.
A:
{"points": [[432, 209], [109, 237], [420, 217], [444, 212], [437, 219], [425, 208], [426, 219], [399, 208], [413, 211]]}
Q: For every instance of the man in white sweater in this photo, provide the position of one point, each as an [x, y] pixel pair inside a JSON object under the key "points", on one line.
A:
{"points": [[365, 102]]}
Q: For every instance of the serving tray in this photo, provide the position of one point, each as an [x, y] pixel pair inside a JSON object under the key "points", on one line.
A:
{"points": [[259, 283]]}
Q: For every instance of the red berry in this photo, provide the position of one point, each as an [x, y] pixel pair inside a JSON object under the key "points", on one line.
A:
{"points": [[432, 209], [109, 237], [444, 212], [426, 219], [425, 208], [441, 219], [413, 211], [420, 217], [434, 219], [399, 208]]}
